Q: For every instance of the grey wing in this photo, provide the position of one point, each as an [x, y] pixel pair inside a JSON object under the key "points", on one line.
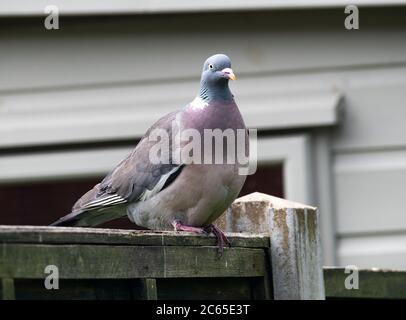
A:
{"points": [[135, 178]]}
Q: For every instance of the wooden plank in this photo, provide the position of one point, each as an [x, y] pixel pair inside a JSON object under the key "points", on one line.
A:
{"points": [[7, 289], [124, 262], [372, 283], [79, 289], [149, 289], [260, 288], [64, 235]]}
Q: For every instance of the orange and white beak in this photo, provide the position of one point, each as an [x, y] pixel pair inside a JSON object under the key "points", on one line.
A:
{"points": [[229, 73]]}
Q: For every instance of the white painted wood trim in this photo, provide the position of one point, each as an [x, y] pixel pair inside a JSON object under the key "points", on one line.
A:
{"points": [[323, 179], [294, 153], [100, 114], [294, 110], [59, 165], [77, 7]]}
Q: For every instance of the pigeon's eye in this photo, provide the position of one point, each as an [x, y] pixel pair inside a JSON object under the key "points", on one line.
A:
{"points": [[211, 66]]}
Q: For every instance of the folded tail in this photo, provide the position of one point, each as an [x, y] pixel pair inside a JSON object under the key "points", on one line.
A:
{"points": [[88, 218]]}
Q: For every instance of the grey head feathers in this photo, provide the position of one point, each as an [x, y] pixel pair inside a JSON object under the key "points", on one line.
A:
{"points": [[214, 81]]}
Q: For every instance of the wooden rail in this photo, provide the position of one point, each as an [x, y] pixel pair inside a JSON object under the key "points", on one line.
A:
{"points": [[94, 263], [372, 284]]}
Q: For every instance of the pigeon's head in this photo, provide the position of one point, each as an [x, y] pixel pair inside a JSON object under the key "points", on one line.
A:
{"points": [[217, 68], [215, 76]]}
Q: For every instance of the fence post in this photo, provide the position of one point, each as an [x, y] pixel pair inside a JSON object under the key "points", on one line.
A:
{"points": [[295, 249]]}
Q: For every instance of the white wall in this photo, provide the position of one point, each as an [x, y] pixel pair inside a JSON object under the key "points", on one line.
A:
{"points": [[370, 170]]}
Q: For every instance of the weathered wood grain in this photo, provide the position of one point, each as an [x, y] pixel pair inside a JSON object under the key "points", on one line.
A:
{"points": [[68, 235], [79, 289], [7, 289], [149, 289], [92, 256], [373, 284], [119, 262], [295, 247]]}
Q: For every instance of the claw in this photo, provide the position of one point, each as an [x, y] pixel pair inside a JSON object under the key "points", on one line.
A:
{"points": [[222, 240], [220, 236], [178, 226]]}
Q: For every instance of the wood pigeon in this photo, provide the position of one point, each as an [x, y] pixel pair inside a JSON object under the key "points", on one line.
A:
{"points": [[173, 194]]}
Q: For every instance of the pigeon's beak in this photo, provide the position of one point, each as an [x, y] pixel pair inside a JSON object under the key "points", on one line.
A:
{"points": [[228, 72]]}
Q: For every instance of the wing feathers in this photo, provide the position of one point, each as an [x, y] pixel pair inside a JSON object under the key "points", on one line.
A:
{"points": [[104, 202], [160, 185], [134, 179]]}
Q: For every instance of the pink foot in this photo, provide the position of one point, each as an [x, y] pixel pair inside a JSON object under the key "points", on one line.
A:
{"points": [[177, 226], [221, 237]]}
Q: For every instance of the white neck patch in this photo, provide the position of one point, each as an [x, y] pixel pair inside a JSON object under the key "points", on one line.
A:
{"points": [[198, 103]]}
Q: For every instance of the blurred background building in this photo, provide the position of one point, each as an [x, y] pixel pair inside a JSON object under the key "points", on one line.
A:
{"points": [[329, 104]]}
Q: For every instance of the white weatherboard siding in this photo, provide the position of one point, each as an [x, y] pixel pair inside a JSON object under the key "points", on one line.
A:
{"points": [[374, 182], [369, 167], [374, 251], [128, 52], [374, 111], [370, 191]]}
